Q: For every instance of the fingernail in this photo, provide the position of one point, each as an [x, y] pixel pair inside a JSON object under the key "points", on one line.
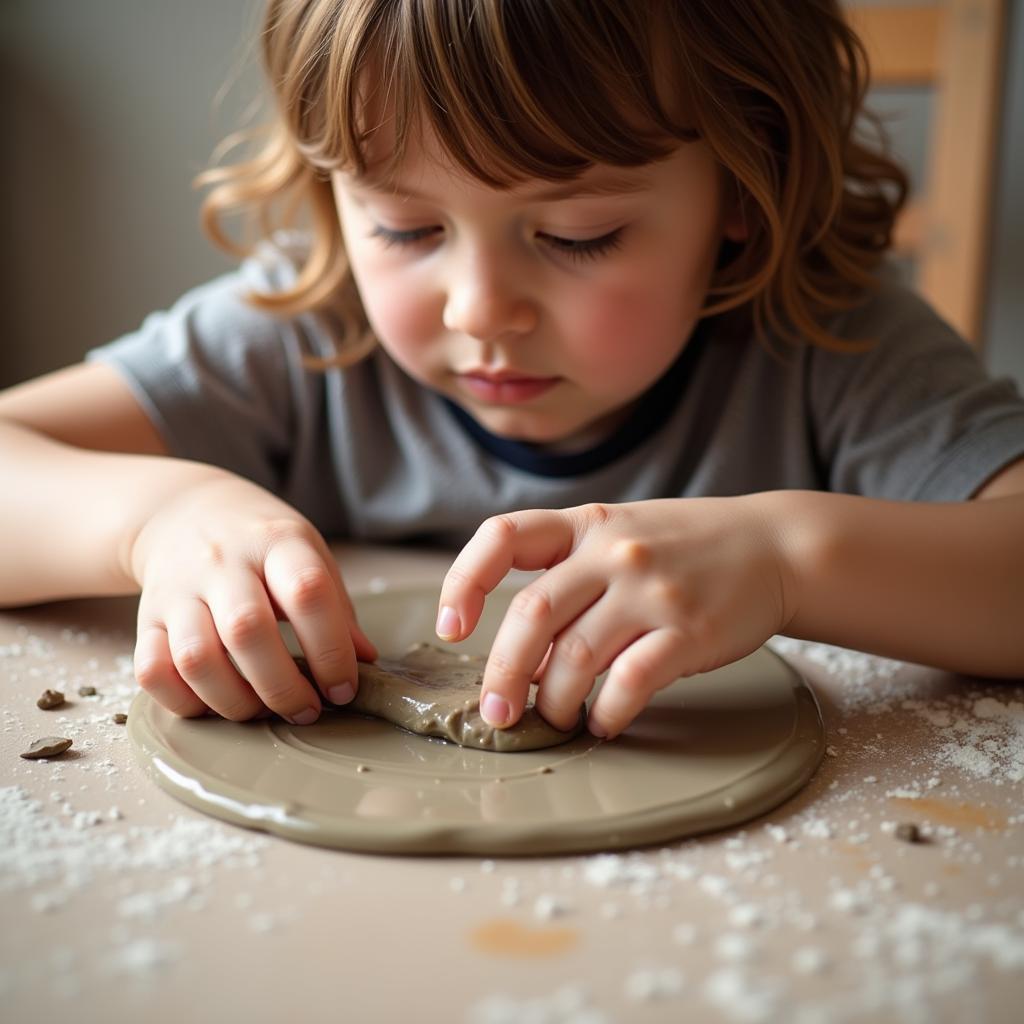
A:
{"points": [[341, 694], [307, 716], [495, 709], [448, 623]]}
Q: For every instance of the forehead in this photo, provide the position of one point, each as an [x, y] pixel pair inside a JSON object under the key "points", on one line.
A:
{"points": [[421, 165]]}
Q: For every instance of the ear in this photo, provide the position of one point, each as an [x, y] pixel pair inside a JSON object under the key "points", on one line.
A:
{"points": [[734, 214], [734, 224]]}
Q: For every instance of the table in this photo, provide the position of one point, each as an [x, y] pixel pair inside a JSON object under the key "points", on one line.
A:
{"points": [[119, 903]]}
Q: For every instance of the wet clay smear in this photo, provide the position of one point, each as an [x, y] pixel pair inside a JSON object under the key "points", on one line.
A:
{"points": [[434, 692]]}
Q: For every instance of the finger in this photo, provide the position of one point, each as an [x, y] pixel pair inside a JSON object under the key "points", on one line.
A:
{"points": [[535, 539], [303, 587], [365, 648], [542, 667], [537, 614], [156, 674], [247, 626], [201, 662], [580, 653], [649, 664]]}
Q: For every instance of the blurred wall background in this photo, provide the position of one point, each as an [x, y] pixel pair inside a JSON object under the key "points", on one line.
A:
{"points": [[113, 105]]}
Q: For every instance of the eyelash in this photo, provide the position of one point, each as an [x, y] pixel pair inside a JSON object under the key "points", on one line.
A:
{"points": [[578, 249]]}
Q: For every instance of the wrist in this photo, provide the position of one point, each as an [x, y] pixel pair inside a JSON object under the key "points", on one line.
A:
{"points": [[797, 531], [172, 482]]}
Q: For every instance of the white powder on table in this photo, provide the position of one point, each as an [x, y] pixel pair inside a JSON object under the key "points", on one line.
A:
{"points": [[36, 848], [567, 1005]]}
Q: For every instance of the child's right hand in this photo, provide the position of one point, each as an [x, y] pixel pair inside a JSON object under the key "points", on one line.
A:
{"points": [[218, 566]]}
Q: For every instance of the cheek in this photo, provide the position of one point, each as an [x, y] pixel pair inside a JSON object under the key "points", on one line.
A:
{"points": [[628, 332], [400, 312]]}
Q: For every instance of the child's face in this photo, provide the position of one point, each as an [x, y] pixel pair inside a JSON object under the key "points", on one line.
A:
{"points": [[544, 316]]}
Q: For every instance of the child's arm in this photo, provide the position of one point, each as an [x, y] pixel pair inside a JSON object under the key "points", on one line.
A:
{"points": [[661, 589], [92, 507]]}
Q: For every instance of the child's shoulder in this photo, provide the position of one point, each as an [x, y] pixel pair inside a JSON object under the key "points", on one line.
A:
{"points": [[892, 314]]}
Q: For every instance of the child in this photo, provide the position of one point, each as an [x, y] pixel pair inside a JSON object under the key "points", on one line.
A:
{"points": [[591, 286]]}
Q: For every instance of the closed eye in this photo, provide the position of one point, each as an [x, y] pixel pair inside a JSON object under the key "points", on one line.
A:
{"points": [[585, 248], [578, 249], [390, 237]]}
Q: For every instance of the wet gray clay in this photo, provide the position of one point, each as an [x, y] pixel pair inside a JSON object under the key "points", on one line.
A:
{"points": [[434, 692]]}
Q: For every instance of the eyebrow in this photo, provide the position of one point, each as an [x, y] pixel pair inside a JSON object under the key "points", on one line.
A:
{"points": [[617, 185]]}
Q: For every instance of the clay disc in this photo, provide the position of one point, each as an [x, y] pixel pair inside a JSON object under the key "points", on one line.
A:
{"points": [[708, 752]]}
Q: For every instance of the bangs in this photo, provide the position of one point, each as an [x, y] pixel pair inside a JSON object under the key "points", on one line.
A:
{"points": [[511, 91]]}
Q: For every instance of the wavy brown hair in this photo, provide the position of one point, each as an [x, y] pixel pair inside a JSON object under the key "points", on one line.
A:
{"points": [[518, 89]]}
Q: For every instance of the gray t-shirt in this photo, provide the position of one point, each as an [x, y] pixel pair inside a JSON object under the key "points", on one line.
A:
{"points": [[368, 453]]}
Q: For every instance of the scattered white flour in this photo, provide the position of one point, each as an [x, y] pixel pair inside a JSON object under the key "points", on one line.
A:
{"points": [[568, 1005], [989, 744], [818, 828], [866, 678], [809, 960], [647, 984], [981, 735], [764, 942], [746, 915], [149, 904], [548, 907], [36, 848], [740, 996], [734, 946], [141, 956], [612, 869]]}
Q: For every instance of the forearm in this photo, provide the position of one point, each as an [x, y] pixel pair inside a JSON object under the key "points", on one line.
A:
{"points": [[937, 584], [68, 516]]}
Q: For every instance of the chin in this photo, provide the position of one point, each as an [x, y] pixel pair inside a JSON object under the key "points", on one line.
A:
{"points": [[512, 428]]}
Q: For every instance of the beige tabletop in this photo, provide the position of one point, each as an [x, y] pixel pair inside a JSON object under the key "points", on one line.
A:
{"points": [[118, 903]]}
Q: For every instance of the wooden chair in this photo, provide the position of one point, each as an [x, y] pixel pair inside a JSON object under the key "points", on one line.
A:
{"points": [[954, 47]]}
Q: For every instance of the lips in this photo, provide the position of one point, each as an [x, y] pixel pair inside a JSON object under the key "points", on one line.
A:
{"points": [[505, 387]]}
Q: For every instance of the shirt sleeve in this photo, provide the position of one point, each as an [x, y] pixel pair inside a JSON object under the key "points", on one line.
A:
{"points": [[916, 417], [219, 378]]}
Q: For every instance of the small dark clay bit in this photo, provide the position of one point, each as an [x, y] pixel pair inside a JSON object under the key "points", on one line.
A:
{"points": [[120, 718], [87, 691], [908, 832], [50, 699], [49, 746]]}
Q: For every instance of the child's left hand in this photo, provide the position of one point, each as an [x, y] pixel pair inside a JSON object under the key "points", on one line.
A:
{"points": [[654, 590]]}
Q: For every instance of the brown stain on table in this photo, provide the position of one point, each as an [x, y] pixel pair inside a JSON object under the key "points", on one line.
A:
{"points": [[945, 812], [859, 858], [505, 936]]}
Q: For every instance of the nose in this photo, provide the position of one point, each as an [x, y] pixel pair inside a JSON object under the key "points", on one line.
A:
{"points": [[485, 301]]}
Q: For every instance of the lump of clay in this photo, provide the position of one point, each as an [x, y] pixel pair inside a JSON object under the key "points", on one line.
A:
{"points": [[437, 693]]}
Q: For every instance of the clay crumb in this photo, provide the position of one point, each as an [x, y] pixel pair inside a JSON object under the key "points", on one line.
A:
{"points": [[362, 768], [908, 832], [87, 691], [50, 699], [545, 769], [120, 718], [48, 746]]}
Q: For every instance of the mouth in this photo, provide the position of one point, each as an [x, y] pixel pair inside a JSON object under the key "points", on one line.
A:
{"points": [[506, 387]]}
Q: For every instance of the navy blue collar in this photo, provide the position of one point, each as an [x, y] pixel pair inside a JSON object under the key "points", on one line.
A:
{"points": [[650, 412]]}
